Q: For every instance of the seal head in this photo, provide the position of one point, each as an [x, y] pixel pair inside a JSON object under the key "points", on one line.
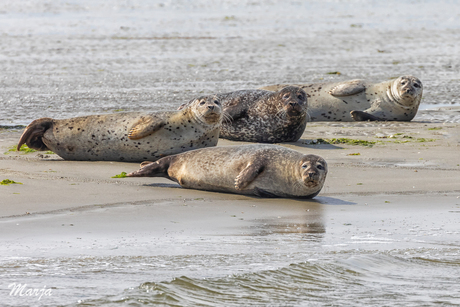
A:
{"points": [[207, 109], [293, 100], [406, 91], [313, 170]]}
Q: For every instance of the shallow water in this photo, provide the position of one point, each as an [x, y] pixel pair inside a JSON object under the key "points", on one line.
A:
{"points": [[62, 59], [406, 277], [404, 253]]}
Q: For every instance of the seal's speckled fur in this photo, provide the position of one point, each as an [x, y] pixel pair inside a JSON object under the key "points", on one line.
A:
{"points": [[394, 100], [264, 116], [257, 169], [132, 136]]}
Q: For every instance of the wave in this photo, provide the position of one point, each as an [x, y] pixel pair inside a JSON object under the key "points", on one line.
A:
{"points": [[378, 279]]}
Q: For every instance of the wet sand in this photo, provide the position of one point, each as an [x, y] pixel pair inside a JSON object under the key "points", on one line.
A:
{"points": [[411, 173]]}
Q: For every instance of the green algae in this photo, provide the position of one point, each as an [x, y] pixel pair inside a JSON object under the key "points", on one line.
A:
{"points": [[121, 175], [8, 181], [347, 141], [24, 149]]}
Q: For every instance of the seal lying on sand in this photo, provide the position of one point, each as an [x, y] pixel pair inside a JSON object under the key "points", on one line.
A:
{"points": [[263, 116], [132, 136], [394, 100], [258, 169]]}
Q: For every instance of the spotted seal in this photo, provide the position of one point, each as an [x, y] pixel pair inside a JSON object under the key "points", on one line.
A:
{"points": [[263, 116], [264, 170], [130, 136], [359, 100]]}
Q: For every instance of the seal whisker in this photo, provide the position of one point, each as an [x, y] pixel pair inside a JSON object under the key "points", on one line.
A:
{"points": [[281, 115], [308, 115], [226, 118], [299, 185]]}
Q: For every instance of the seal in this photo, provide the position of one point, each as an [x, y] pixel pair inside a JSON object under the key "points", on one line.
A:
{"points": [[263, 116], [359, 100], [264, 170], [130, 136]]}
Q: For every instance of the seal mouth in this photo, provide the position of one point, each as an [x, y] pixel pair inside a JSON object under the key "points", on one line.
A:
{"points": [[309, 182], [311, 178], [212, 116], [294, 108], [408, 91]]}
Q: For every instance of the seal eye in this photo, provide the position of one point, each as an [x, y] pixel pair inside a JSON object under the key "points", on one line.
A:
{"points": [[416, 85], [300, 96], [202, 102], [216, 102], [304, 166], [286, 96], [320, 166]]}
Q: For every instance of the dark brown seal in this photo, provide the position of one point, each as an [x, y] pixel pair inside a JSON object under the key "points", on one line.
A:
{"points": [[258, 169], [263, 116]]}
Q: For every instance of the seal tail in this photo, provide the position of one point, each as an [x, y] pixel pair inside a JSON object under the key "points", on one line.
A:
{"points": [[33, 134]]}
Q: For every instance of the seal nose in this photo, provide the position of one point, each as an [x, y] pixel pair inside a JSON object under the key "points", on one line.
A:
{"points": [[408, 90], [211, 107]]}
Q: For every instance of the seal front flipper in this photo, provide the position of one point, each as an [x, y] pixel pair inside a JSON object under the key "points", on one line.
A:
{"points": [[153, 169], [34, 132], [263, 193], [348, 88], [235, 110], [145, 127], [363, 116], [248, 174]]}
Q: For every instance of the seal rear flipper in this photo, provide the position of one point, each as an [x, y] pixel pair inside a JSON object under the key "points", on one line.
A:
{"points": [[153, 169], [145, 127], [34, 132], [248, 174], [145, 163], [363, 116], [348, 88]]}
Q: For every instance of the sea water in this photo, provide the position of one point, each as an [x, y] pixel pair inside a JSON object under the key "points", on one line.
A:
{"points": [[62, 59], [325, 252]]}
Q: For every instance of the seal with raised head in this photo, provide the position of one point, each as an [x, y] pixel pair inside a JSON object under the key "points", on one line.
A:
{"points": [[263, 116], [264, 170], [359, 100], [130, 136]]}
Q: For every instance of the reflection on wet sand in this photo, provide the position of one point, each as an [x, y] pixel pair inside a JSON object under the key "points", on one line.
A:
{"points": [[311, 223]]}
